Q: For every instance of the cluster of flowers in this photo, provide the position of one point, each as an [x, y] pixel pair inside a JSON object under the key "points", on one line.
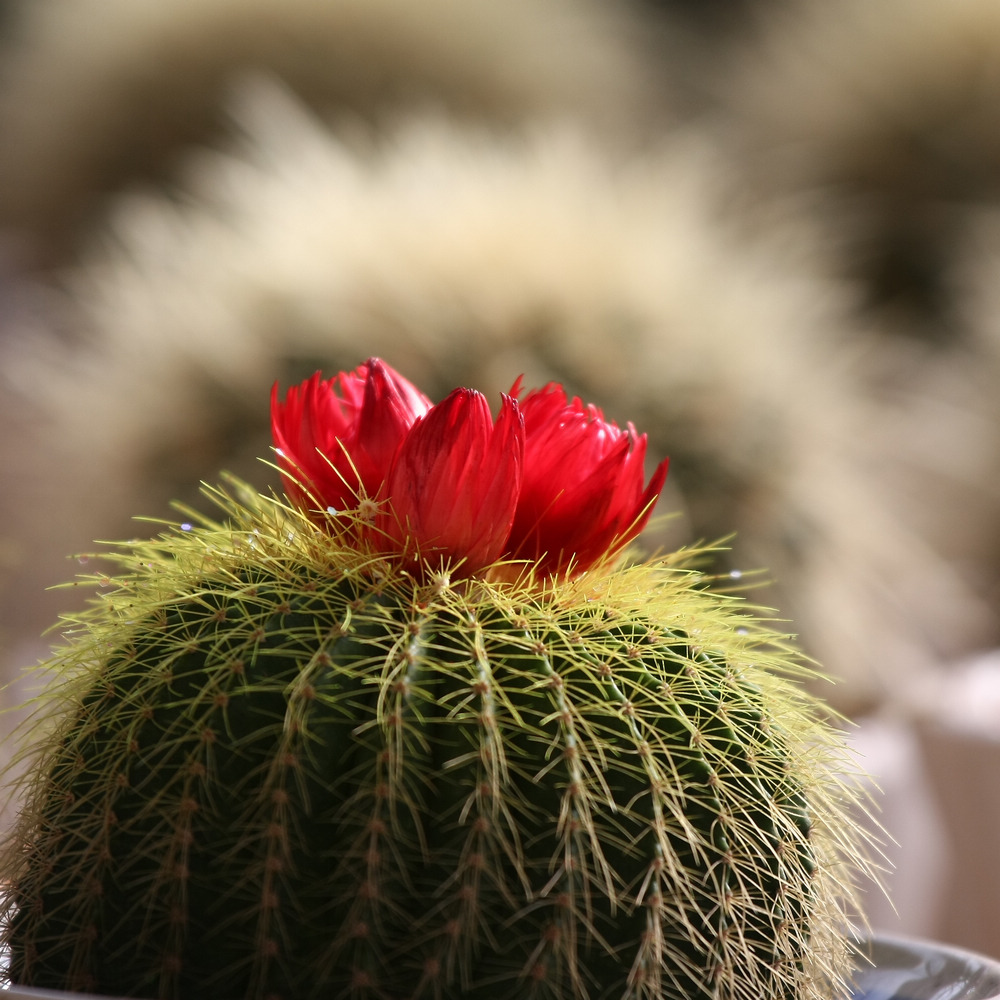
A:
{"points": [[550, 481]]}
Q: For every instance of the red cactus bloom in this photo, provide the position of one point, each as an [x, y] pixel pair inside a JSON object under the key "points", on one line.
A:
{"points": [[550, 481], [336, 440], [582, 497], [454, 483]]}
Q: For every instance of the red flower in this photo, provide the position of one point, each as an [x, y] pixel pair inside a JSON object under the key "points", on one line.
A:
{"points": [[550, 482], [336, 440], [582, 496]]}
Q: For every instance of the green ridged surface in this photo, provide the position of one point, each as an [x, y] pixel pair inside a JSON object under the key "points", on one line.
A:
{"points": [[303, 775]]}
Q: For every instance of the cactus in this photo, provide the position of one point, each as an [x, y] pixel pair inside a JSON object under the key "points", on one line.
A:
{"points": [[285, 762]]}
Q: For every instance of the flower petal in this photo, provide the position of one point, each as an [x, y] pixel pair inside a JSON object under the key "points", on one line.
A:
{"points": [[336, 439], [582, 496], [389, 407], [303, 428], [454, 484]]}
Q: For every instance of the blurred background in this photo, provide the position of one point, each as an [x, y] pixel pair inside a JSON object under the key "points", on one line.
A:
{"points": [[766, 231]]}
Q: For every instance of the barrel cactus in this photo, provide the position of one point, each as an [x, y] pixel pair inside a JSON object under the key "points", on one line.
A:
{"points": [[415, 729]]}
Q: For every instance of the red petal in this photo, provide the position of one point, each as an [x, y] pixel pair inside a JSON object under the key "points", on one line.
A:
{"points": [[304, 427], [336, 439], [454, 484], [389, 407], [582, 495]]}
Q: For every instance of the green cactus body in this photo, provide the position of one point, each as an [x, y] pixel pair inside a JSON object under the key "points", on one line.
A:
{"points": [[284, 769]]}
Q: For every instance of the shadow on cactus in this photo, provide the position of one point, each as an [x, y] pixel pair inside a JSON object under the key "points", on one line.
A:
{"points": [[415, 731]]}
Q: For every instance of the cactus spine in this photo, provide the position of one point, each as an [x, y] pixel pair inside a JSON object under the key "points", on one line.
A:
{"points": [[282, 768]]}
